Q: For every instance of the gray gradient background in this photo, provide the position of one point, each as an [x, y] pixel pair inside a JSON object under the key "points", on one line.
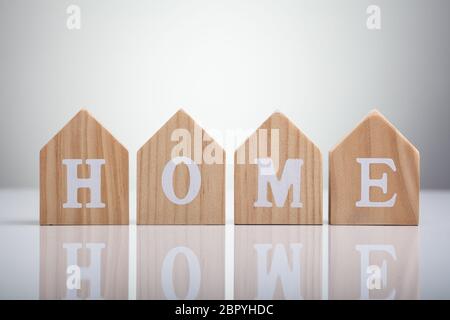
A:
{"points": [[227, 63]]}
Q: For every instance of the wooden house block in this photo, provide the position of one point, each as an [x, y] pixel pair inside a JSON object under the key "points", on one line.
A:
{"points": [[283, 187], [83, 262], [369, 262], [180, 262], [278, 262], [181, 176], [83, 176], [374, 176]]}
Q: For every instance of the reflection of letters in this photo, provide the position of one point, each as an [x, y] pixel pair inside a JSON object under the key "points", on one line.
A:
{"points": [[93, 183], [268, 273], [373, 276], [280, 188], [92, 273], [167, 273]]}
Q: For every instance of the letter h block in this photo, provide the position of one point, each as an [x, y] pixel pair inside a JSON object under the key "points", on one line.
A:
{"points": [[278, 176], [83, 176], [374, 176]]}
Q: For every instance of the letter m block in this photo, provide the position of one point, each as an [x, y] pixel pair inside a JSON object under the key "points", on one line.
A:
{"points": [[278, 176]]}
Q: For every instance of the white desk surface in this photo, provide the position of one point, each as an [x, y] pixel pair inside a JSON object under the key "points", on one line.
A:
{"points": [[412, 262]]}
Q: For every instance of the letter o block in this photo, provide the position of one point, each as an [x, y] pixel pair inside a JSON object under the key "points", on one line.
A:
{"points": [[374, 176], [278, 176], [181, 176]]}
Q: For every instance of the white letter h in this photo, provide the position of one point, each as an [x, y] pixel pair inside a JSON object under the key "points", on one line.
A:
{"points": [[93, 183]]}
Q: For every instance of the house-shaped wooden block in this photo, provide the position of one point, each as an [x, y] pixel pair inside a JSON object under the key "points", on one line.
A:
{"points": [[374, 176], [283, 187], [83, 176], [181, 176]]}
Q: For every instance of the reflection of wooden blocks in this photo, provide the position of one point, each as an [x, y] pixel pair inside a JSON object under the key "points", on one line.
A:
{"points": [[88, 262], [83, 176], [180, 262], [278, 262], [369, 262], [284, 187], [181, 176], [374, 176]]}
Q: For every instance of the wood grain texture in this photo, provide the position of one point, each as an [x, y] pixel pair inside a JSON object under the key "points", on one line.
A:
{"points": [[83, 138], [106, 244], [292, 144], [180, 251], [265, 253], [392, 249], [374, 137], [153, 206]]}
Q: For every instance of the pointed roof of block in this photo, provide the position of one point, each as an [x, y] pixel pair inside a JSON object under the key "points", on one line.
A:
{"points": [[181, 119], [83, 120], [374, 120], [275, 119]]}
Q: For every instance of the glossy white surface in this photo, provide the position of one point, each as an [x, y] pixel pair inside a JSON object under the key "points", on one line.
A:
{"points": [[241, 262]]}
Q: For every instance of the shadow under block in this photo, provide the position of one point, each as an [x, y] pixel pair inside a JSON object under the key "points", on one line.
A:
{"points": [[374, 176], [291, 194], [181, 176], [83, 176]]}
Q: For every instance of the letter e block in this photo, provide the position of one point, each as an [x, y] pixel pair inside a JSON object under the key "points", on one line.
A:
{"points": [[374, 176]]}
